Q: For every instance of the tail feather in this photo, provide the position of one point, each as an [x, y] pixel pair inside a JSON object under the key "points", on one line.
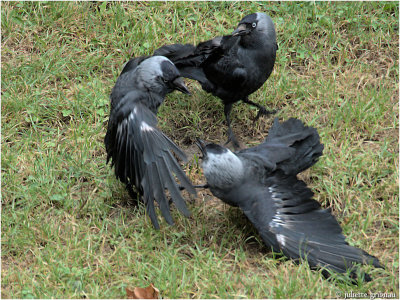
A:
{"points": [[287, 132], [305, 140]]}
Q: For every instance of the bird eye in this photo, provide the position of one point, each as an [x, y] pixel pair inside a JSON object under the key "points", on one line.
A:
{"points": [[165, 80], [254, 25]]}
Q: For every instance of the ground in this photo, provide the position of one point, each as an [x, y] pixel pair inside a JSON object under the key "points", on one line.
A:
{"points": [[69, 229]]}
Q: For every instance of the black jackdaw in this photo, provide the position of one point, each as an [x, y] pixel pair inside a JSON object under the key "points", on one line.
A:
{"points": [[230, 67]]}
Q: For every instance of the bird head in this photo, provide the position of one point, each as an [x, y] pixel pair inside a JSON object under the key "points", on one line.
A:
{"points": [[256, 23], [159, 74], [222, 168]]}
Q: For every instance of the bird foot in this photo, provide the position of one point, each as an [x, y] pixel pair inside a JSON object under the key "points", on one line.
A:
{"points": [[263, 112], [232, 138]]}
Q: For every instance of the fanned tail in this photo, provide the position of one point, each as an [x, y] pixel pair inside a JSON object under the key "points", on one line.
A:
{"points": [[305, 140]]}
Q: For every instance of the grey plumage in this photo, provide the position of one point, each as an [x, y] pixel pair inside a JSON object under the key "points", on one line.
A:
{"points": [[140, 153], [280, 206]]}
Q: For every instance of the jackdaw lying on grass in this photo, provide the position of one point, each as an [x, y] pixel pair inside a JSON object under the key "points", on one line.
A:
{"points": [[230, 67], [262, 182], [139, 151]]}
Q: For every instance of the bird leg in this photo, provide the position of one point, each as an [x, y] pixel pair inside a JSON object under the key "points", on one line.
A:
{"points": [[262, 110], [231, 135]]}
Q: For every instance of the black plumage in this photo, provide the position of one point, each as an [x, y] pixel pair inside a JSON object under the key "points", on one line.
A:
{"points": [[140, 153], [230, 67], [262, 182]]}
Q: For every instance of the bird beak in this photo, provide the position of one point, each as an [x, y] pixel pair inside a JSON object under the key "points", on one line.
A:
{"points": [[241, 30], [180, 86], [202, 146]]}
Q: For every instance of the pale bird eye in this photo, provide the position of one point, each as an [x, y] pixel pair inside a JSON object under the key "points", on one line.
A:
{"points": [[254, 25]]}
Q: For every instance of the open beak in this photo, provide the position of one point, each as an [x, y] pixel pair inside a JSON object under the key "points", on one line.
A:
{"points": [[180, 85], [202, 146], [241, 30]]}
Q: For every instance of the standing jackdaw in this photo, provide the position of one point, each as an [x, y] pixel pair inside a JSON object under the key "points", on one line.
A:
{"points": [[230, 67]]}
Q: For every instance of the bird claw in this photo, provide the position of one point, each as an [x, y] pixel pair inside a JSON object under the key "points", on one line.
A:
{"points": [[263, 112], [232, 138]]}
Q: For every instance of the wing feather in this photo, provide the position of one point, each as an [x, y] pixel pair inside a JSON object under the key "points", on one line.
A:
{"points": [[142, 155], [283, 208]]}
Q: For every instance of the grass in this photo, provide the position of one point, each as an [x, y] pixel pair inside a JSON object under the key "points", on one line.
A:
{"points": [[68, 229]]}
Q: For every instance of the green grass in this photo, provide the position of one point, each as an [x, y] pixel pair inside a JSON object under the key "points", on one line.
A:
{"points": [[68, 228]]}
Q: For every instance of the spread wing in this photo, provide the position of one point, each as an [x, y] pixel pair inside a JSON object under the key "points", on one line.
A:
{"points": [[215, 56], [288, 219], [187, 59], [141, 155]]}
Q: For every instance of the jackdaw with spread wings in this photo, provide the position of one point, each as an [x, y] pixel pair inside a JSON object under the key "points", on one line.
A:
{"points": [[262, 182], [140, 153]]}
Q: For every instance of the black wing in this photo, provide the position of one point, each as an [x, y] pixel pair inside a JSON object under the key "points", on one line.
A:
{"points": [[179, 54], [288, 219], [141, 155], [185, 55], [187, 59], [215, 56]]}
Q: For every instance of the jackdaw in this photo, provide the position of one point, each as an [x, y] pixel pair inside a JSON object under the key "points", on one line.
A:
{"points": [[230, 67], [262, 182], [139, 151]]}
